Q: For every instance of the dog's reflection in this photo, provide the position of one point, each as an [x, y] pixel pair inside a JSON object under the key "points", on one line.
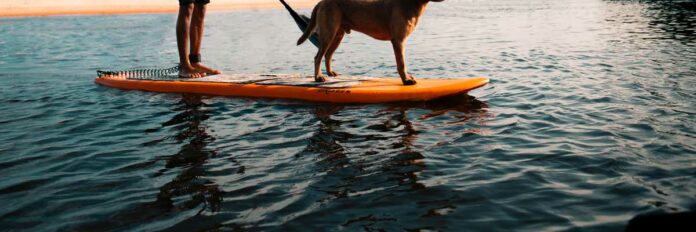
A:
{"points": [[381, 154]]}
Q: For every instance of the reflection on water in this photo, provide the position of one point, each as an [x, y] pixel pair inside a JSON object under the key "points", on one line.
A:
{"points": [[364, 164], [389, 164], [588, 121], [469, 107], [674, 18], [193, 155], [188, 190], [657, 20]]}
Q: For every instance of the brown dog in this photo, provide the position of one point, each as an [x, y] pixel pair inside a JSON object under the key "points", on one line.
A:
{"points": [[392, 20]]}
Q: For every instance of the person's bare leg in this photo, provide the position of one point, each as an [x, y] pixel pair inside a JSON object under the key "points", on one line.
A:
{"points": [[182, 34], [197, 23]]}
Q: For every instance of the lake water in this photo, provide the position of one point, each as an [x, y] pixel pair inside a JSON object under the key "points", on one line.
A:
{"points": [[589, 120]]}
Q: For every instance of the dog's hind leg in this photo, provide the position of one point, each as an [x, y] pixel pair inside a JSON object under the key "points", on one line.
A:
{"points": [[318, 77], [329, 23], [329, 53]]}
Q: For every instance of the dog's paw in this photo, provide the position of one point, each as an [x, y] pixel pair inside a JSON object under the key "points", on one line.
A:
{"points": [[410, 81], [320, 78], [333, 74]]}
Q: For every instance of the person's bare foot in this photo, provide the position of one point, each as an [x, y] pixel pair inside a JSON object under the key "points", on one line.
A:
{"points": [[189, 72], [205, 69]]}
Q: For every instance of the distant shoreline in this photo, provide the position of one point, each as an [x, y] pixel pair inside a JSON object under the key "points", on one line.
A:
{"points": [[39, 10]]}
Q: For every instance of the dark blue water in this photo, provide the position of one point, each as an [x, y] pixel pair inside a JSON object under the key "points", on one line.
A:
{"points": [[589, 121]]}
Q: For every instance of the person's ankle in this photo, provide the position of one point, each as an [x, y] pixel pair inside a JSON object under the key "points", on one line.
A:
{"points": [[187, 67], [194, 58]]}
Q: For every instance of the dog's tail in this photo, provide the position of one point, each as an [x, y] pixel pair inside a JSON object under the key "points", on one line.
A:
{"points": [[310, 28]]}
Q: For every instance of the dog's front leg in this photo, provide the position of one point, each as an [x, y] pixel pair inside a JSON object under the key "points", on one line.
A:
{"points": [[400, 63]]}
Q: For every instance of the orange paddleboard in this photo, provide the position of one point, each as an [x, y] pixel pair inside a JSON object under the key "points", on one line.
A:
{"points": [[342, 89]]}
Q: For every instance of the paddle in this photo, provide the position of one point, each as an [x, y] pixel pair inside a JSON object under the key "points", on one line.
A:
{"points": [[302, 22]]}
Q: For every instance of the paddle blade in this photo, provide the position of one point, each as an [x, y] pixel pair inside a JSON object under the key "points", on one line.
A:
{"points": [[302, 22]]}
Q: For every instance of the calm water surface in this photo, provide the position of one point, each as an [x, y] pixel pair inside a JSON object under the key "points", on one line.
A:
{"points": [[589, 120]]}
